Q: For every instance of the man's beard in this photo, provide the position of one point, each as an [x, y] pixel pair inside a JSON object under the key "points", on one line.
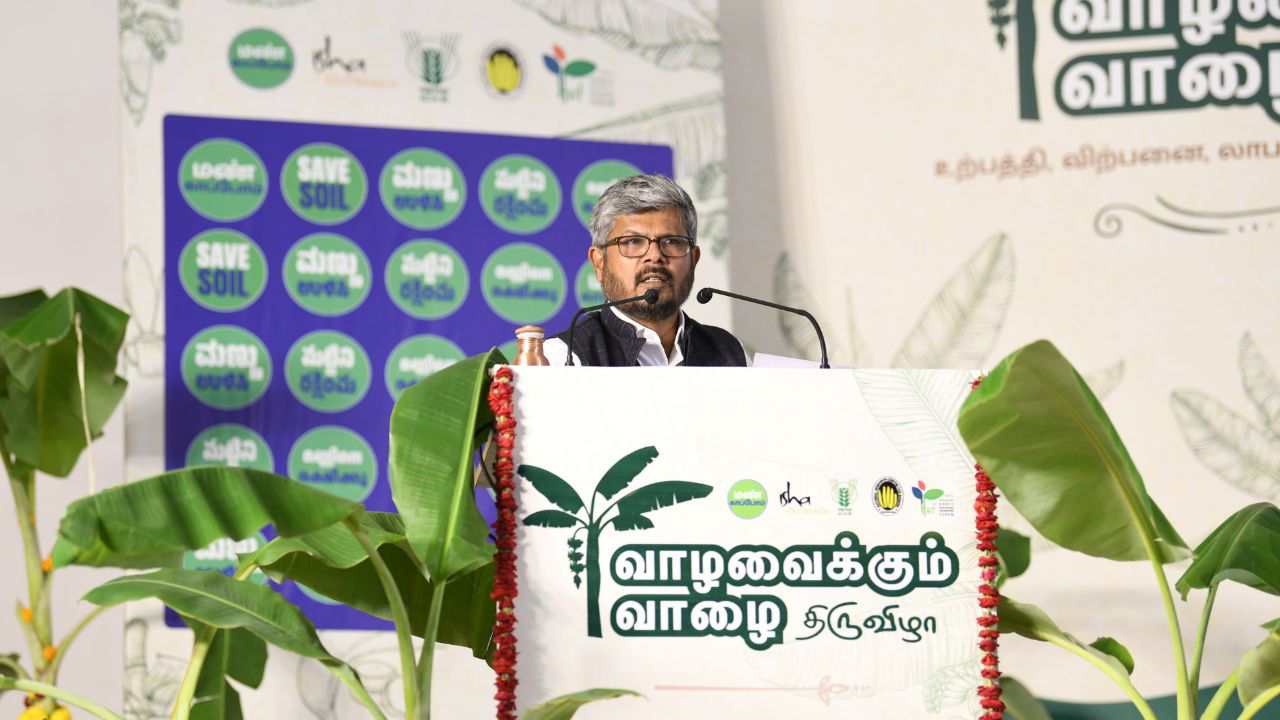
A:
{"points": [[641, 310]]}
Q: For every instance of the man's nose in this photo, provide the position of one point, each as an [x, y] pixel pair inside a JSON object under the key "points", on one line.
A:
{"points": [[654, 254]]}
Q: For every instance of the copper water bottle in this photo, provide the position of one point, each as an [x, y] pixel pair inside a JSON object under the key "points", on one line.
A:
{"points": [[529, 346]]}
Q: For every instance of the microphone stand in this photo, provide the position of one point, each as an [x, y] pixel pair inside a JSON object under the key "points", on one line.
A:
{"points": [[704, 297], [650, 296]]}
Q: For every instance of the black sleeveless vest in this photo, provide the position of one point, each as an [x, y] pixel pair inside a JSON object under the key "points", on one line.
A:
{"points": [[604, 339]]}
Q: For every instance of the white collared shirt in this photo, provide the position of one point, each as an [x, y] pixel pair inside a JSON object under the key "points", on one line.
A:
{"points": [[651, 355]]}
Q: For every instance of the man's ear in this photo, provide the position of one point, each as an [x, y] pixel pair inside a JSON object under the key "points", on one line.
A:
{"points": [[596, 256], [695, 253]]}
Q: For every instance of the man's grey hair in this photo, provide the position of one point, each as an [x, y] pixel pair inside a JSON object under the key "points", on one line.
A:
{"points": [[641, 194]]}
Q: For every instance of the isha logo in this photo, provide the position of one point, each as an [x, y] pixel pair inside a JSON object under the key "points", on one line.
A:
{"points": [[573, 69], [785, 498], [324, 59], [629, 512], [432, 60]]}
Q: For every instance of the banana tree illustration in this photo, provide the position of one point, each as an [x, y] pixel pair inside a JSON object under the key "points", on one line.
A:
{"points": [[630, 512], [1024, 19]]}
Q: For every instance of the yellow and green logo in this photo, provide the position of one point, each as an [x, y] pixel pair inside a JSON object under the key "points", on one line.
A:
{"points": [[887, 496]]}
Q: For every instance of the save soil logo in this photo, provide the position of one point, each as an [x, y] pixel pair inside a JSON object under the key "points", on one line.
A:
{"points": [[223, 270], [323, 183], [260, 58], [630, 511], [327, 274], [427, 279]]}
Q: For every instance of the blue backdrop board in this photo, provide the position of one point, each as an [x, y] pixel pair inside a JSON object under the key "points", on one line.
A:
{"points": [[315, 271]]}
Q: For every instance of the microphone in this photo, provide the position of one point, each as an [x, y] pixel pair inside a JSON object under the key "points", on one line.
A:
{"points": [[650, 296], [704, 297]]}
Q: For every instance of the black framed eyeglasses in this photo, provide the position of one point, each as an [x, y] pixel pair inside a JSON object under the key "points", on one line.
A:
{"points": [[634, 246]]}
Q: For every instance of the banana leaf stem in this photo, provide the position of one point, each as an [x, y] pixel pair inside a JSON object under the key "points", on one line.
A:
{"points": [[400, 614], [1197, 654], [427, 659], [1186, 710], [1122, 681], [1255, 706], [348, 678], [187, 690], [22, 484], [51, 674], [70, 698], [1220, 698]]}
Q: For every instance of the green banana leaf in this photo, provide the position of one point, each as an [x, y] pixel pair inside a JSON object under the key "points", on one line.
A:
{"points": [[1259, 669], [1031, 622], [40, 405], [434, 430], [235, 653], [215, 599], [565, 706], [13, 307], [660, 495], [1244, 548], [151, 522], [551, 519], [332, 562], [553, 487], [1040, 433], [618, 477], [1014, 554], [1020, 702]]}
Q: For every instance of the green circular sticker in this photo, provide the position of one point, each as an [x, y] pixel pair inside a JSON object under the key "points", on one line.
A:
{"points": [[427, 279], [523, 283], [417, 357], [261, 58], [520, 194], [223, 270], [230, 445], [327, 371], [226, 367], [586, 288], [223, 180], [323, 183], [327, 274], [336, 460], [510, 350], [221, 556], [423, 188], [747, 499], [594, 180]]}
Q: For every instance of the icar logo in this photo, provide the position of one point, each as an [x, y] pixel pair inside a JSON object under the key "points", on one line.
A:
{"points": [[628, 512]]}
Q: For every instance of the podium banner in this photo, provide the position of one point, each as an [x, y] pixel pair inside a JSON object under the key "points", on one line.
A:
{"points": [[753, 543]]}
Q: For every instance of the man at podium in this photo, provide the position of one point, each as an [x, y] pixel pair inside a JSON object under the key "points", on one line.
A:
{"points": [[644, 232]]}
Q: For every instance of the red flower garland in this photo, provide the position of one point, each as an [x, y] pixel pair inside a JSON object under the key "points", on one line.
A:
{"points": [[989, 600], [504, 579]]}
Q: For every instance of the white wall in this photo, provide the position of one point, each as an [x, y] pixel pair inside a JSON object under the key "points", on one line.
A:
{"points": [[60, 198]]}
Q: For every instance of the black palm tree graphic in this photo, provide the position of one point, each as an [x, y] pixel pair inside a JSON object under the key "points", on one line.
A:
{"points": [[631, 513]]}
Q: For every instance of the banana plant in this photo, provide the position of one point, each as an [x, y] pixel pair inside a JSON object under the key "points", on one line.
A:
{"points": [[1045, 440], [631, 513], [429, 569], [58, 387]]}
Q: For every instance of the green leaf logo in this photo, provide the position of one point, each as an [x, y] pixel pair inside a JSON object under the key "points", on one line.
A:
{"points": [[627, 511]]}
